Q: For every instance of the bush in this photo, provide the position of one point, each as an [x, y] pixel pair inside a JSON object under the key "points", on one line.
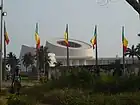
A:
{"points": [[18, 100], [79, 97], [80, 78], [84, 79], [81, 87]]}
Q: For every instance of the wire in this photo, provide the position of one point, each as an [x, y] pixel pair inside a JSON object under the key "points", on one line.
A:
{"points": [[105, 2], [102, 2]]}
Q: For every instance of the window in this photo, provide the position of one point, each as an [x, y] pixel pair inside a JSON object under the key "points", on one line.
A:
{"points": [[72, 44]]}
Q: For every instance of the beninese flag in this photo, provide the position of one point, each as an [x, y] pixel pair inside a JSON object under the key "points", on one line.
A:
{"points": [[66, 36], [37, 38], [6, 38], [94, 38], [124, 40]]}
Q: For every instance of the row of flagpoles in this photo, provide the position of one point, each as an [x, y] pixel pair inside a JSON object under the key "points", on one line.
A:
{"points": [[94, 45], [66, 40], [93, 42]]}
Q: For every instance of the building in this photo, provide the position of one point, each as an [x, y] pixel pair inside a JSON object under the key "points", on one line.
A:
{"points": [[80, 53]]}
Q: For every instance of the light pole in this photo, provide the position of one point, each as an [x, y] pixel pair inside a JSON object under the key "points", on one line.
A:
{"points": [[1, 37]]}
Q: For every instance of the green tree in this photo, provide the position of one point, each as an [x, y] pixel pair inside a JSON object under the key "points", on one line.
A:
{"points": [[117, 68], [28, 60], [44, 59], [12, 61], [47, 59], [41, 58], [132, 52], [138, 50]]}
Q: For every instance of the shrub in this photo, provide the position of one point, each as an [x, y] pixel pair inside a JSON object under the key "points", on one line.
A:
{"points": [[82, 78], [79, 97], [18, 100]]}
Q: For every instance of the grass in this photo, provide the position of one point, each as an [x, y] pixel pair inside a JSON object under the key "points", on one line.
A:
{"points": [[69, 96], [82, 88]]}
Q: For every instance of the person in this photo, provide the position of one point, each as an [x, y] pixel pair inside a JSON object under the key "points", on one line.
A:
{"points": [[16, 81]]}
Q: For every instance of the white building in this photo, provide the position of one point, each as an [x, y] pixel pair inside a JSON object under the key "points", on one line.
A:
{"points": [[80, 53]]}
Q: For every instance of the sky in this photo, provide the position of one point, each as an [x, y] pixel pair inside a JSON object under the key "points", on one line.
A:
{"points": [[81, 15]]}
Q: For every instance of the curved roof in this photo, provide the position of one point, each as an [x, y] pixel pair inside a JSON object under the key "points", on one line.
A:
{"points": [[83, 45], [82, 50]]}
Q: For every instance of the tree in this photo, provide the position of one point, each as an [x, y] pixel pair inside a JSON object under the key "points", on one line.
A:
{"points": [[4, 70], [44, 59], [28, 60], [47, 59], [132, 52], [117, 68], [138, 49], [41, 58], [12, 61]]}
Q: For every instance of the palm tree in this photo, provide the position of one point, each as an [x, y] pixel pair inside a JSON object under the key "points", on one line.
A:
{"points": [[132, 52], [47, 59], [12, 61], [43, 59], [4, 70], [28, 60], [138, 50]]}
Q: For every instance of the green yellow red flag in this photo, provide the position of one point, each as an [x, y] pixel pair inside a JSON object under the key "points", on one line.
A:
{"points": [[6, 35], [37, 38], [93, 39], [124, 40], [66, 36]]}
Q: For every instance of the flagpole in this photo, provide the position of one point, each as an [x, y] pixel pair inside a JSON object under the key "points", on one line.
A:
{"points": [[123, 52], [4, 51], [37, 61], [67, 49], [123, 61], [1, 45], [96, 53]]}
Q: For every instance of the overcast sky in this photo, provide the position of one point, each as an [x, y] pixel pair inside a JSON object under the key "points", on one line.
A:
{"points": [[81, 15]]}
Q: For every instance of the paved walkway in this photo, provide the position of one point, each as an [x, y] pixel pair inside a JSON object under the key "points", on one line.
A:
{"points": [[8, 83]]}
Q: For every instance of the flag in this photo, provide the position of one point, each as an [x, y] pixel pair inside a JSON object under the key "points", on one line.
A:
{"points": [[37, 38], [124, 41], [6, 38], [94, 38], [66, 36]]}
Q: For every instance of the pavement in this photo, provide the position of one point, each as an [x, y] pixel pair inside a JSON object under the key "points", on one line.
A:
{"points": [[8, 83]]}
